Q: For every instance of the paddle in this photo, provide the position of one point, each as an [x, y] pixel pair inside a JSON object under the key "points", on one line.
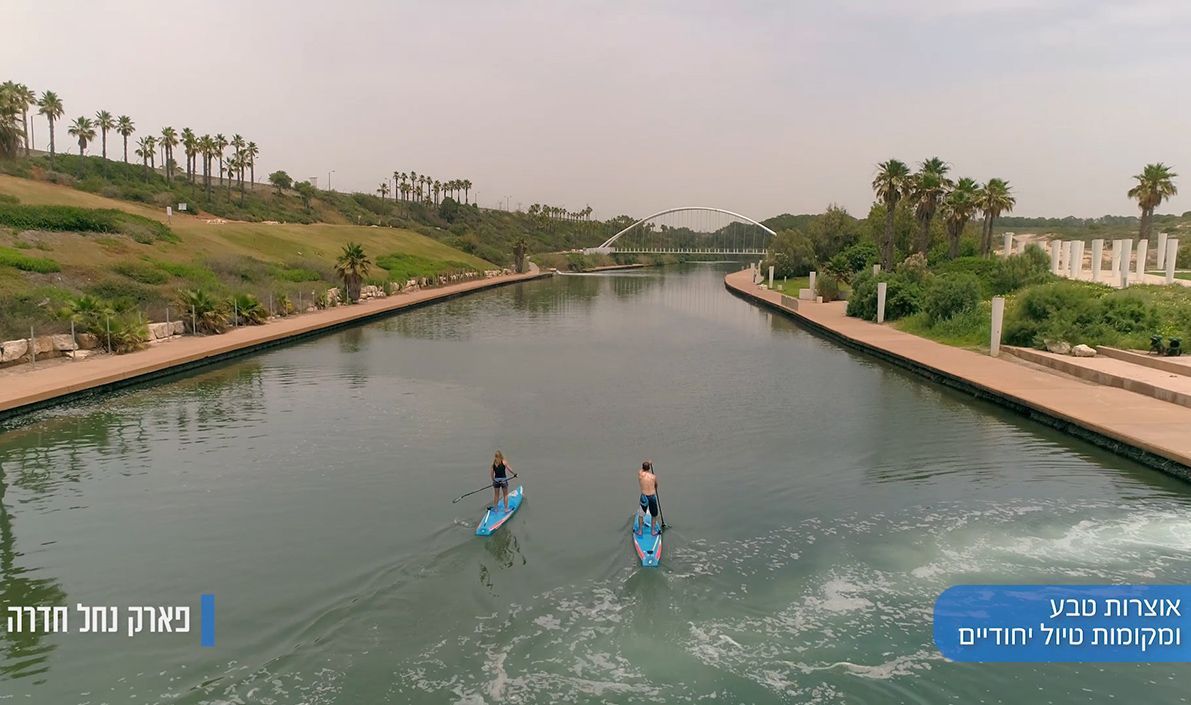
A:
{"points": [[486, 487], [661, 515]]}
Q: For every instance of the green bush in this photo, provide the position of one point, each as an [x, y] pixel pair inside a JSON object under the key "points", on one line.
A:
{"points": [[951, 294], [1183, 261], [13, 258], [791, 254], [141, 272], [1018, 271], [853, 259], [1062, 310], [827, 286], [983, 268], [903, 294], [299, 275], [83, 220]]}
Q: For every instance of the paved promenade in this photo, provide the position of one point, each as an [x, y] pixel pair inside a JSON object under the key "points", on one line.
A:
{"points": [[33, 388], [1145, 429]]}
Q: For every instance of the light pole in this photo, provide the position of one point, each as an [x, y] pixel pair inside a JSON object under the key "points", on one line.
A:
{"points": [[507, 202], [329, 179]]}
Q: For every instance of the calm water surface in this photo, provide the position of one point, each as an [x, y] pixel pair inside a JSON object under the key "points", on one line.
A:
{"points": [[820, 501]]}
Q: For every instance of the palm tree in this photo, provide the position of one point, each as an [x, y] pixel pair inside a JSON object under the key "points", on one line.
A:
{"points": [[957, 209], [104, 121], [125, 128], [20, 97], [220, 143], [437, 190], [189, 142], [145, 148], [252, 152], [1155, 184], [352, 266], [238, 145], [206, 147], [50, 105], [466, 189], [84, 131], [928, 187], [169, 140], [996, 198], [12, 131], [383, 190], [891, 184]]}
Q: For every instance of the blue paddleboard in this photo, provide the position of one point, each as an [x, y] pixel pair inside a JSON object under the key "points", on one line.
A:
{"points": [[494, 519], [649, 547]]}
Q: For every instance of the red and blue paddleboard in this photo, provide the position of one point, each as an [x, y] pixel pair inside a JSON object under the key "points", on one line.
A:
{"points": [[649, 547], [494, 519]]}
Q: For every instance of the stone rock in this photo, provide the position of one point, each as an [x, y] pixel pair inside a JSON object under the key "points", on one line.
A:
{"points": [[157, 331], [13, 350], [179, 327], [63, 342], [80, 354], [43, 345], [1082, 350], [88, 341], [1058, 347]]}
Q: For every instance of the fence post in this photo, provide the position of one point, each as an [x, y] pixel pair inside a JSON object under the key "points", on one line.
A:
{"points": [[235, 314], [168, 328], [882, 287], [812, 285], [193, 321], [1097, 258], [771, 276], [876, 270], [32, 347], [74, 342], [1172, 256], [998, 317], [108, 323]]}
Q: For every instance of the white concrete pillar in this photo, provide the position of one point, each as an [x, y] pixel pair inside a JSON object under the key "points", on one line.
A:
{"points": [[1160, 253], [882, 287], [1115, 265], [1055, 245], [1008, 248], [771, 276], [998, 317], [876, 270], [1077, 261], [1172, 256], [812, 284], [1143, 249], [1126, 260], [1069, 258], [1097, 258]]}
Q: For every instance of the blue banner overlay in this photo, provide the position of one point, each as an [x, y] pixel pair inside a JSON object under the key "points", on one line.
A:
{"points": [[1064, 623], [207, 620]]}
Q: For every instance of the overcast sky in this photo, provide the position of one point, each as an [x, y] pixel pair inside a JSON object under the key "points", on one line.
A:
{"points": [[632, 107]]}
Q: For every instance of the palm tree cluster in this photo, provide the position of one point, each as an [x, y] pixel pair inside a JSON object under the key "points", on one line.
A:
{"points": [[555, 213], [420, 188], [930, 192], [1154, 185], [16, 129]]}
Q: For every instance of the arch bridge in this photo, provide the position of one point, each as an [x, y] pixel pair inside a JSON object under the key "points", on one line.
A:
{"points": [[691, 230]]}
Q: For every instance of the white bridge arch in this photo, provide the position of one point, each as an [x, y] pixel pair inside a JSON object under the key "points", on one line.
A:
{"points": [[691, 230]]}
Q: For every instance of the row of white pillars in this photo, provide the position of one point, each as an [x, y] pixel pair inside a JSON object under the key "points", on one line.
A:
{"points": [[1066, 259]]}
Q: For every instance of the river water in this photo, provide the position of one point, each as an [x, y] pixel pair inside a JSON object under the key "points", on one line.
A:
{"points": [[819, 501]]}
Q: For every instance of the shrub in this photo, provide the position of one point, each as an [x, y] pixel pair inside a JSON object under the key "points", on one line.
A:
{"points": [[296, 274], [903, 294], [247, 310], [141, 272], [1018, 271], [84, 220], [123, 325], [951, 294], [1183, 261], [855, 258], [792, 254], [1061, 310], [827, 286], [201, 312], [25, 263]]}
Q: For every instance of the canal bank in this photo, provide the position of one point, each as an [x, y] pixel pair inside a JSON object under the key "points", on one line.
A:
{"points": [[1143, 429], [40, 388]]}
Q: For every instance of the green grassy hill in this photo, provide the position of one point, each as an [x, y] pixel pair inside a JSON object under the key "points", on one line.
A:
{"points": [[40, 270]]}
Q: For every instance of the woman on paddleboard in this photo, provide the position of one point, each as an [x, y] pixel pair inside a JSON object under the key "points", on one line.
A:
{"points": [[499, 472]]}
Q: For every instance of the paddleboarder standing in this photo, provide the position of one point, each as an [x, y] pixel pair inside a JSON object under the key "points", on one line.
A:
{"points": [[649, 497], [499, 472]]}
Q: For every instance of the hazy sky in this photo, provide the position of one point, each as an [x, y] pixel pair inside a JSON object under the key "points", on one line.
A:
{"points": [[632, 107]]}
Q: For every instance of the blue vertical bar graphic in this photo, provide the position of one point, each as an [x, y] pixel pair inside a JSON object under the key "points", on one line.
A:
{"points": [[207, 617]]}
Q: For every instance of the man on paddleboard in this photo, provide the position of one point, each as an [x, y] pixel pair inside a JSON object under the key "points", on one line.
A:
{"points": [[649, 497]]}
